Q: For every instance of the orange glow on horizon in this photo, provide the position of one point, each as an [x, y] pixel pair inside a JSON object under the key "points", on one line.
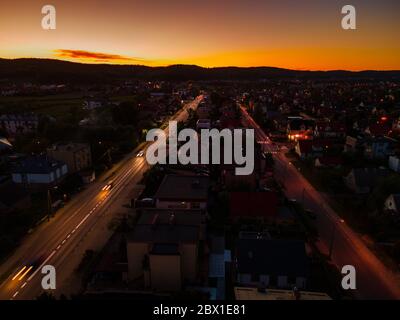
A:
{"points": [[271, 33], [323, 59]]}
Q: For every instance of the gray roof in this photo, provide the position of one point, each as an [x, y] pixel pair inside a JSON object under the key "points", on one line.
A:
{"points": [[272, 257], [180, 187], [164, 216], [164, 234]]}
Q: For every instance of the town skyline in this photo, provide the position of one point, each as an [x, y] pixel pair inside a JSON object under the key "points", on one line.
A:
{"points": [[288, 35]]}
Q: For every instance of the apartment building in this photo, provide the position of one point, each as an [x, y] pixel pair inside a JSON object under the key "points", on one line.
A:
{"points": [[77, 156]]}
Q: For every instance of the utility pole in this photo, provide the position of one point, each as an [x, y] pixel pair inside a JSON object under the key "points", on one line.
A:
{"points": [[332, 241], [109, 156], [49, 203]]}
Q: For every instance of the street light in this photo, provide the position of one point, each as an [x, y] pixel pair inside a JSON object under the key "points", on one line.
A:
{"points": [[332, 241]]}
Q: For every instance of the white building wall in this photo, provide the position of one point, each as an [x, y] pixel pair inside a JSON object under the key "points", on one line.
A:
{"points": [[394, 163]]}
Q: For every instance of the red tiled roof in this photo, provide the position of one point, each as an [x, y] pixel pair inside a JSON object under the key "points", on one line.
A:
{"points": [[253, 204], [379, 129]]}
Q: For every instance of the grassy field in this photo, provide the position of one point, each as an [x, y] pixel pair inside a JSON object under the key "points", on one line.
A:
{"points": [[54, 105]]}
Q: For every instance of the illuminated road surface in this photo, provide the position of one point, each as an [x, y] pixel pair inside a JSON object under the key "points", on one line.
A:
{"points": [[80, 225], [374, 280]]}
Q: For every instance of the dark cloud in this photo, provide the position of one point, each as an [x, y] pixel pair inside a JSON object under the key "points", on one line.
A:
{"points": [[97, 56]]}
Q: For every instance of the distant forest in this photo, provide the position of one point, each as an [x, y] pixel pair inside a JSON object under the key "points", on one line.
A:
{"points": [[57, 71]]}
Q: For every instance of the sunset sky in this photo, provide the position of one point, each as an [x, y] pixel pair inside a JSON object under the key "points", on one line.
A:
{"points": [[296, 34]]}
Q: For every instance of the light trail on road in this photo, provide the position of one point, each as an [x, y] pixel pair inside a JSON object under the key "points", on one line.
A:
{"points": [[62, 234]]}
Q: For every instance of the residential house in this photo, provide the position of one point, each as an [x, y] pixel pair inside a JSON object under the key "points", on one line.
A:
{"points": [[353, 144], [363, 180], [77, 156], [39, 171], [271, 263], [300, 129], [15, 124], [379, 147], [249, 182], [394, 163], [306, 149], [163, 250], [182, 192], [330, 130]]}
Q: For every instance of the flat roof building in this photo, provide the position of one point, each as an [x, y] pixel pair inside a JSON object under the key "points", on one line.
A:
{"points": [[182, 192]]}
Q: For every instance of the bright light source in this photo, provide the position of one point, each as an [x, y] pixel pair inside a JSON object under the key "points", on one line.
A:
{"points": [[25, 273], [17, 275]]}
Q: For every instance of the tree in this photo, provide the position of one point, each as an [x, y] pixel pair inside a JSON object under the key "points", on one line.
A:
{"points": [[270, 160], [125, 113], [259, 114]]}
